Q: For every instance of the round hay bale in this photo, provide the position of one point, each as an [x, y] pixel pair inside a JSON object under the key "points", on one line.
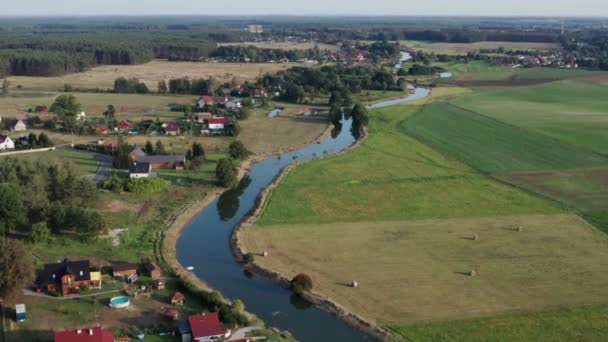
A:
{"points": [[354, 284], [520, 228], [476, 237], [473, 273], [265, 254]]}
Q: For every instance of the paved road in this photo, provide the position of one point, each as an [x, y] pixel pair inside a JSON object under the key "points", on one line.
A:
{"points": [[242, 333], [103, 172]]}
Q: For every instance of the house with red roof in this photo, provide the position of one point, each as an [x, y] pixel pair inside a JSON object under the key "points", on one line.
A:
{"points": [[259, 93], [96, 334], [205, 101], [171, 128], [125, 125], [217, 123], [207, 327]]}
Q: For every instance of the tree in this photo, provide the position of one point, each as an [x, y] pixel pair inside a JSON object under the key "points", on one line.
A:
{"points": [[237, 150], [40, 233], [160, 148], [32, 140], [15, 268], [121, 156], [238, 306], [12, 210], [148, 147], [162, 87], [5, 87], [44, 140], [301, 283], [244, 113], [67, 107], [225, 173], [197, 150], [109, 112], [248, 258]]}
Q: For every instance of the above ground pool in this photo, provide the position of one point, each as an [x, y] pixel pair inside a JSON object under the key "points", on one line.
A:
{"points": [[119, 302]]}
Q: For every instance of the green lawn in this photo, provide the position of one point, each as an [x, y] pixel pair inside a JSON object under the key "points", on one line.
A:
{"points": [[392, 176], [492, 146], [584, 323], [574, 112], [83, 162]]}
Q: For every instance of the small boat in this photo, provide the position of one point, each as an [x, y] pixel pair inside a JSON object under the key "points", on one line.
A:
{"points": [[190, 268]]}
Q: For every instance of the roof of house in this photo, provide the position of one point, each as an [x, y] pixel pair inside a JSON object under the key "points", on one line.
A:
{"points": [[124, 267], [171, 313], [137, 151], [150, 267], [96, 334], [162, 159], [223, 121], [139, 167], [183, 327], [207, 99], [52, 273], [171, 126], [205, 115], [123, 124], [206, 325], [178, 296], [3, 138]]}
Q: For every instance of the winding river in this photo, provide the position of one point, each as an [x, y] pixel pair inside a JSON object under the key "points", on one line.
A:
{"points": [[204, 244]]}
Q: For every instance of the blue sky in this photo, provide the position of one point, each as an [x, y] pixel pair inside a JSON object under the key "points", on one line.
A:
{"points": [[307, 7]]}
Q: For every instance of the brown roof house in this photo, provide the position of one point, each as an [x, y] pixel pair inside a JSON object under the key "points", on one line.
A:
{"points": [[124, 270], [153, 270]]}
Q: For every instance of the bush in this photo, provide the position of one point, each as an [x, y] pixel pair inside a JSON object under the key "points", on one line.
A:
{"points": [[238, 151], [225, 173], [147, 185], [40, 233], [301, 283], [244, 113], [248, 258]]}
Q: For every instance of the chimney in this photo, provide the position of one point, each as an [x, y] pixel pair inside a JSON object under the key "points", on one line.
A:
{"points": [[91, 332], [79, 331]]}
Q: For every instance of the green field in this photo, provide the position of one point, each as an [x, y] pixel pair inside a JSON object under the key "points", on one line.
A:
{"points": [[492, 146], [574, 112], [84, 163], [565, 324], [413, 182]]}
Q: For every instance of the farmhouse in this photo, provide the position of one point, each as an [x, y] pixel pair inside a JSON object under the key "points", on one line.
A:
{"points": [[178, 299], [6, 143], [176, 162], [19, 126], [68, 276], [206, 327], [171, 128], [96, 334], [124, 270], [139, 170], [217, 123]]}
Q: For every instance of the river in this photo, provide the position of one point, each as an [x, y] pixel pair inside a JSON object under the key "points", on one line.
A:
{"points": [[204, 245]]}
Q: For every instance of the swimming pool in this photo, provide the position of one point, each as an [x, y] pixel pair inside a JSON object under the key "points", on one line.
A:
{"points": [[119, 302]]}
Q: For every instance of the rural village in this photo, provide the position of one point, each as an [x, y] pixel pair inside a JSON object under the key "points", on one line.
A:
{"points": [[326, 179]]}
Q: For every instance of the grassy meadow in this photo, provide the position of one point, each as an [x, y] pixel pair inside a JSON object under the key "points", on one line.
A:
{"points": [[464, 48], [493, 146], [83, 162], [392, 176]]}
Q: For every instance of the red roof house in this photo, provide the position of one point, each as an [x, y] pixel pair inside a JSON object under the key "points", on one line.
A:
{"points": [[207, 326], [259, 93], [124, 125], [96, 334], [208, 100], [178, 298], [171, 128]]}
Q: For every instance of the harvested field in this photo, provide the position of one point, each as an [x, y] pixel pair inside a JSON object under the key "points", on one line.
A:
{"points": [[150, 73], [464, 48], [492, 146], [412, 271], [284, 45]]}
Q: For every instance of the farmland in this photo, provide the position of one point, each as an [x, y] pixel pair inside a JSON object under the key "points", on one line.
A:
{"points": [[464, 48], [150, 73], [492, 146], [424, 264], [409, 170]]}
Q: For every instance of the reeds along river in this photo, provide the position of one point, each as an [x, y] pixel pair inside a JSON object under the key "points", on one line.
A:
{"points": [[204, 244]]}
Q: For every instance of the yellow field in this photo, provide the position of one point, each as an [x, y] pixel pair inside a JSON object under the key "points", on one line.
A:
{"points": [[418, 270], [103, 77], [464, 48], [285, 45]]}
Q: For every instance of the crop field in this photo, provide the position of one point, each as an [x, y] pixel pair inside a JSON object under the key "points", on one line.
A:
{"points": [[570, 111], [411, 183], [492, 146], [150, 73], [285, 45], [464, 48], [563, 324], [413, 271], [95, 103]]}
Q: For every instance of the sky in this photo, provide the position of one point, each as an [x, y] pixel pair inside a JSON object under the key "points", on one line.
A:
{"points": [[306, 7]]}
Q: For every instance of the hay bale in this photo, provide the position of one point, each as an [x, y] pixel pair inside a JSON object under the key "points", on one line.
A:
{"points": [[476, 237], [354, 284], [473, 273], [265, 254], [520, 228]]}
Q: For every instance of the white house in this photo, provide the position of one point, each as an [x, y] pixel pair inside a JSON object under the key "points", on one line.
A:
{"points": [[139, 170], [218, 123], [19, 126], [233, 105], [6, 143]]}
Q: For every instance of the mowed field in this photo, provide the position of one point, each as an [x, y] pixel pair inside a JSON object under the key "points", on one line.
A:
{"points": [[464, 48], [285, 45], [150, 73], [392, 176], [413, 271], [571, 111], [493, 146]]}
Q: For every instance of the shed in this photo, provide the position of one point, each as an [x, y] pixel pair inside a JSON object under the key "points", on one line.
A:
{"points": [[153, 270], [124, 270], [171, 314], [178, 298], [159, 284], [20, 315]]}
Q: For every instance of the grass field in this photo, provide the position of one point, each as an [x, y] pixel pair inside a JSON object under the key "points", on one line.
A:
{"points": [[150, 73], [574, 112], [464, 48], [83, 162], [564, 324], [284, 45], [412, 271], [492, 146], [409, 184]]}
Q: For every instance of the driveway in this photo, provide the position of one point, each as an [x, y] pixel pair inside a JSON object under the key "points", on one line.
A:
{"points": [[242, 333], [103, 172]]}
